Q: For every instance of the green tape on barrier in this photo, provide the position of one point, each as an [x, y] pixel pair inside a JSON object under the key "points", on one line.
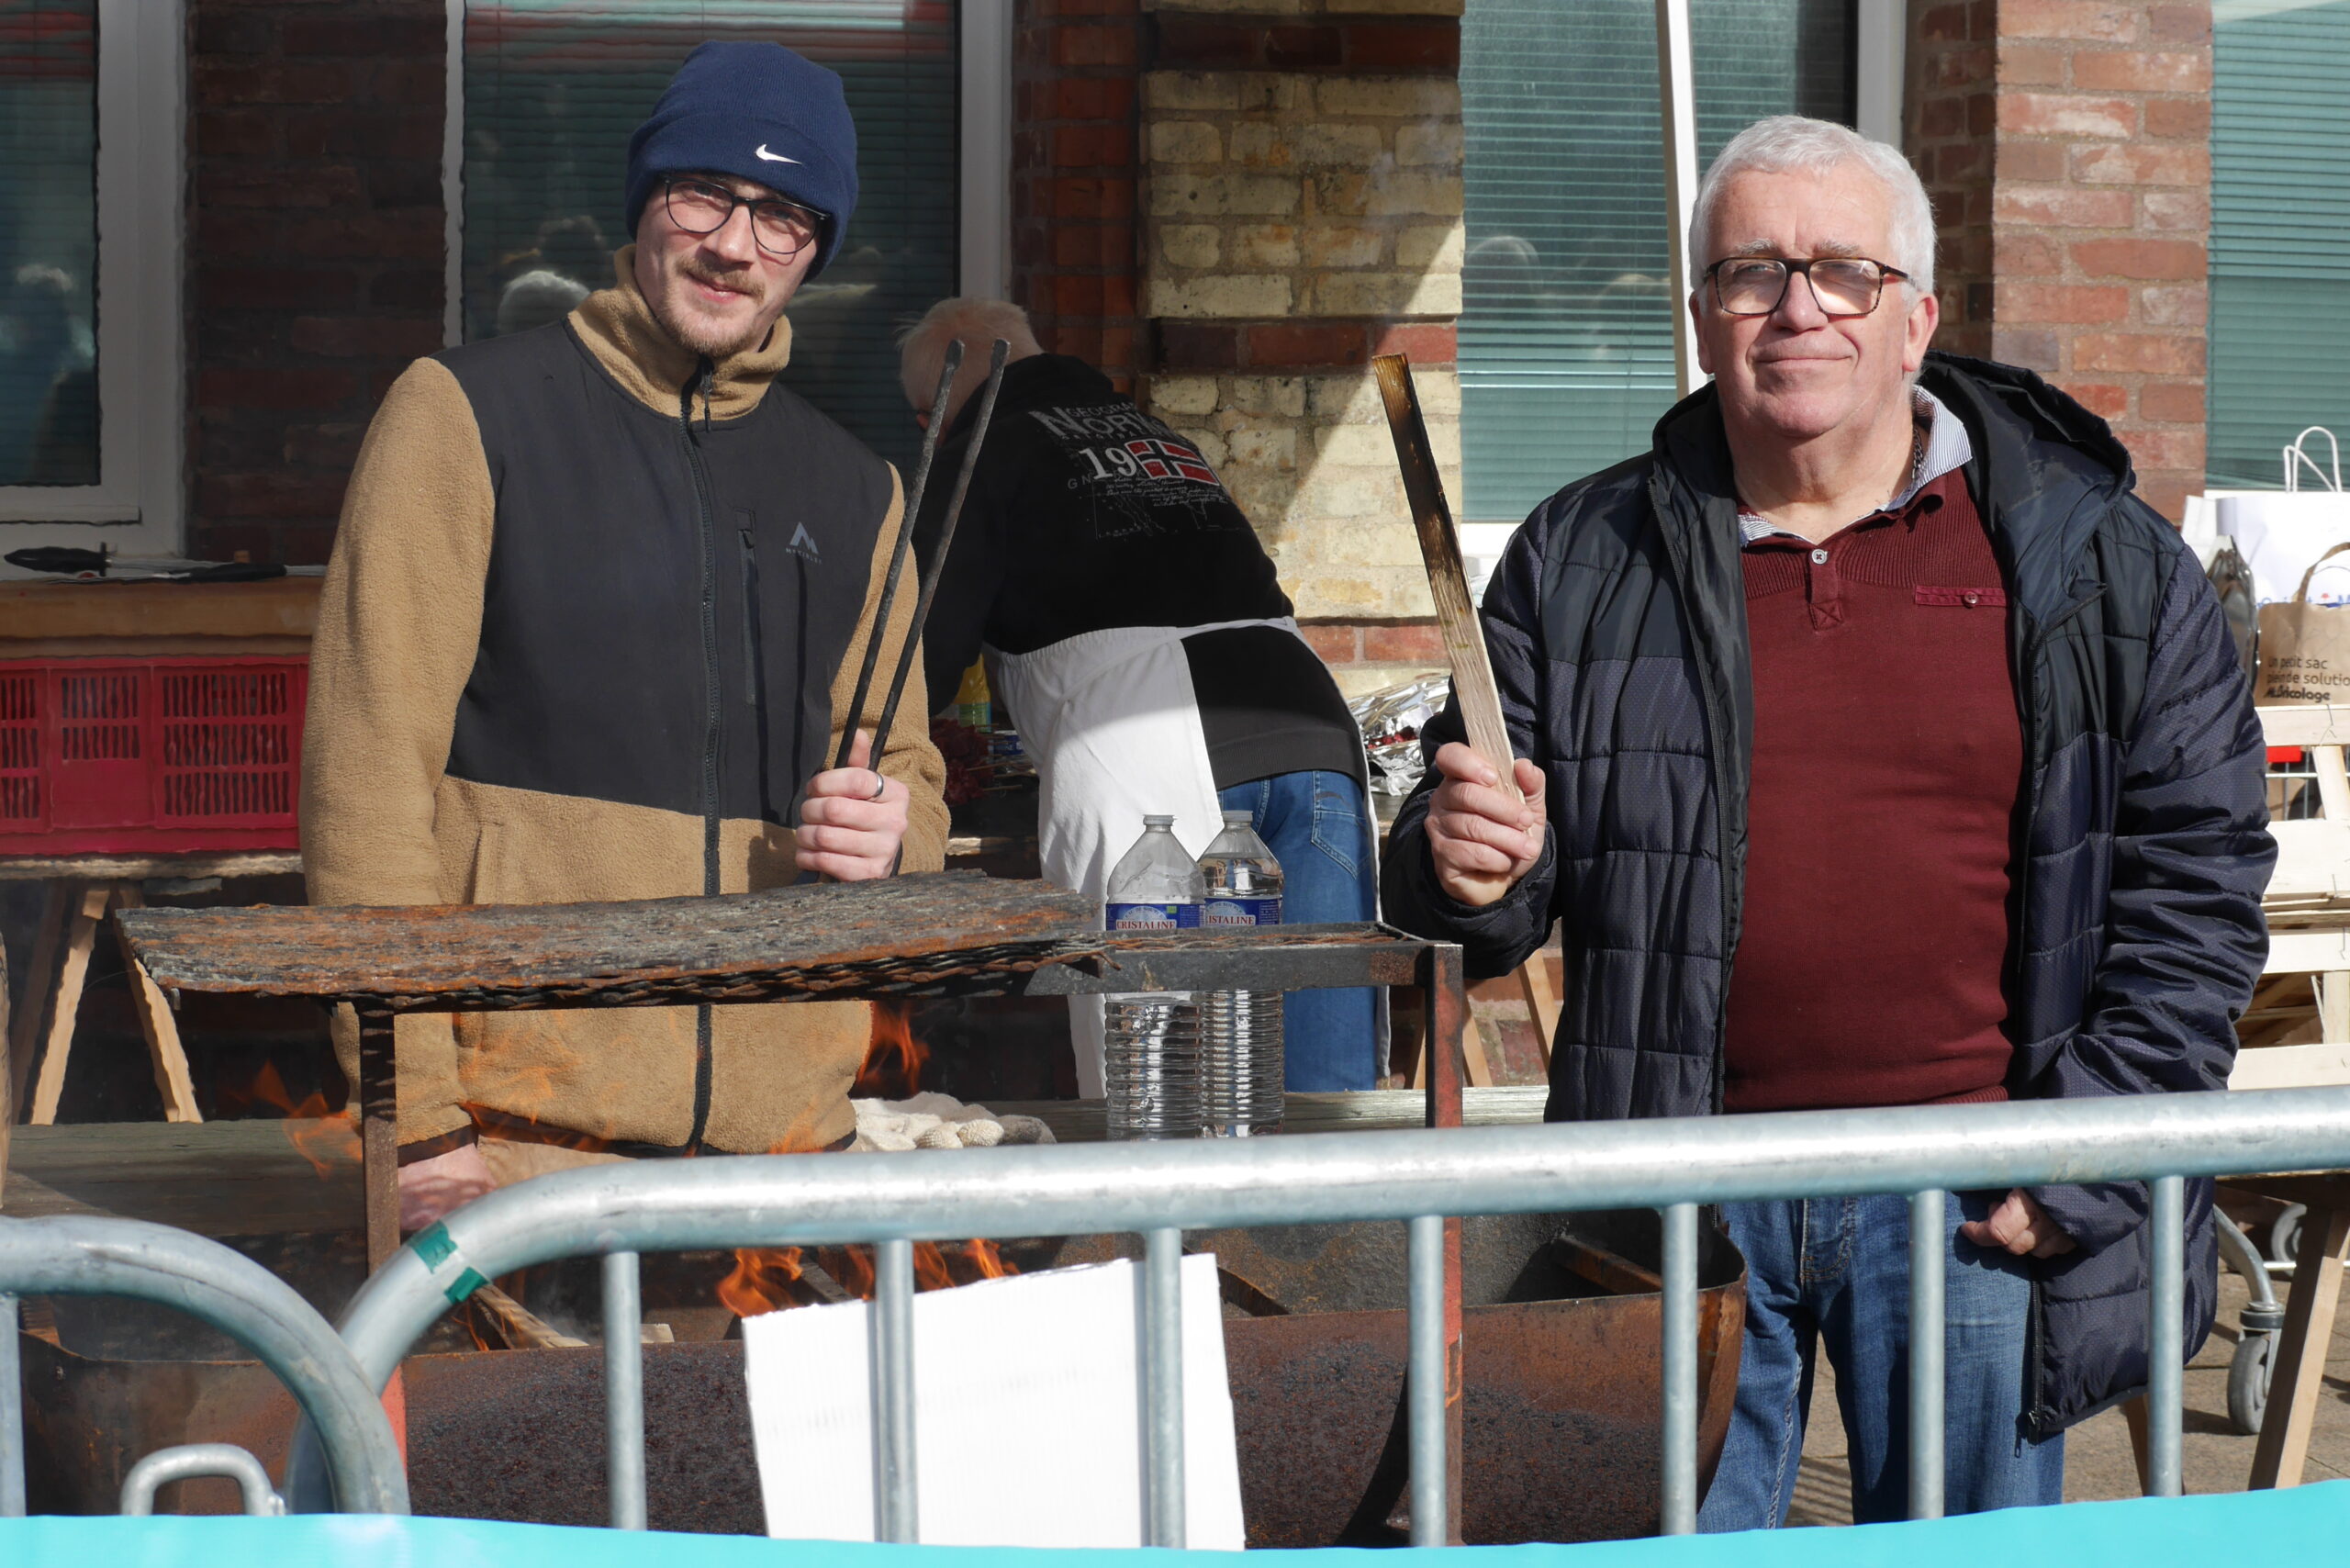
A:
{"points": [[435, 1245], [432, 1244]]}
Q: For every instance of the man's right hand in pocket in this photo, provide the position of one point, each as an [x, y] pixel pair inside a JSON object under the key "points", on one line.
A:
{"points": [[1482, 840], [430, 1188]]}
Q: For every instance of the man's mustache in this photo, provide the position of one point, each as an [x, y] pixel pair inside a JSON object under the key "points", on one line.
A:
{"points": [[744, 281]]}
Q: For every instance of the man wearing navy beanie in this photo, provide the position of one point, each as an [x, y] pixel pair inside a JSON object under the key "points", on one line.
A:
{"points": [[597, 604]]}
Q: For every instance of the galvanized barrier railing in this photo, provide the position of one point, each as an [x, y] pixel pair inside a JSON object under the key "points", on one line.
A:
{"points": [[89, 1255], [1159, 1190]]}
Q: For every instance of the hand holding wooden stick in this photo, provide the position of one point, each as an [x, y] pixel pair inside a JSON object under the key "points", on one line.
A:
{"points": [[1485, 820]]}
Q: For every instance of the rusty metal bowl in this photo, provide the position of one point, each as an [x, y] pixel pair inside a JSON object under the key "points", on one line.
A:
{"points": [[1562, 1394]]}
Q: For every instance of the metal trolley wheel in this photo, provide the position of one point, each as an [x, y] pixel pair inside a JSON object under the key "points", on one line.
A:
{"points": [[2248, 1373]]}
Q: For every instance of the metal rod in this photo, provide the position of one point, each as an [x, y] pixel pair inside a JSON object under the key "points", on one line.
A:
{"points": [[1926, 1346], [2166, 1338], [624, 1389], [1677, 112], [1214, 1183], [937, 567], [1425, 1380], [952, 363], [12, 1414], [896, 1516], [1164, 1507], [1680, 1502]]}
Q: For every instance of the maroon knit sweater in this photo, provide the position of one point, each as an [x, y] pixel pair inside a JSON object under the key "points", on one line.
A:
{"points": [[1888, 762]]}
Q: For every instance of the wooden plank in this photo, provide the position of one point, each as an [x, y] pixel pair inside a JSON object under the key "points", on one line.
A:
{"points": [[2300, 1350], [40, 987], [2307, 952], [2311, 723], [1541, 1003], [378, 1097], [88, 903], [244, 1178], [1473, 689], [853, 938], [2312, 859], [278, 607], [2292, 1067], [139, 867], [156, 1025]]}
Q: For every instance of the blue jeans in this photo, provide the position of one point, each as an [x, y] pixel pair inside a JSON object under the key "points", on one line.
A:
{"points": [[1837, 1270], [1318, 827]]}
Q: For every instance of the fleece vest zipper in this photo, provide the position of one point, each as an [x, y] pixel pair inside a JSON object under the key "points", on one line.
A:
{"points": [[706, 537]]}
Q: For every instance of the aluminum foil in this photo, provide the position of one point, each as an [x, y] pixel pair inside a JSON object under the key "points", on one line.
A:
{"points": [[1390, 718]]}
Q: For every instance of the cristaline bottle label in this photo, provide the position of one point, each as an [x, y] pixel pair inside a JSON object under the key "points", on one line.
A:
{"points": [[1241, 912], [1153, 916]]}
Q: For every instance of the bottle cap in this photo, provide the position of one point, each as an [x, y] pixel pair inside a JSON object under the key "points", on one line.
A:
{"points": [[1157, 822], [1239, 819]]}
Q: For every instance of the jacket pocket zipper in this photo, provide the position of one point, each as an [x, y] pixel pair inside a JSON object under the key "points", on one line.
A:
{"points": [[711, 720], [754, 678]]}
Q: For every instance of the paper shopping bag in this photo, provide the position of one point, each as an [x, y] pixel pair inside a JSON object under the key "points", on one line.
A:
{"points": [[2282, 533], [2305, 648]]}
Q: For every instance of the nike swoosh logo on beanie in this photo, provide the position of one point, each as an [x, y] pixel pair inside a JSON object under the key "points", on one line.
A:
{"points": [[774, 157]]}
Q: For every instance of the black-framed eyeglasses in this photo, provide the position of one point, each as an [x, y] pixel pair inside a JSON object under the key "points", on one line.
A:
{"points": [[783, 228], [1843, 285]]}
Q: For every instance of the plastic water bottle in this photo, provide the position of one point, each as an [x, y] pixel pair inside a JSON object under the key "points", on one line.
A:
{"points": [[1151, 1054], [1240, 1031]]}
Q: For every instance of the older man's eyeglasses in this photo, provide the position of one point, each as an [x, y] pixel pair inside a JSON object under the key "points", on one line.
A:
{"points": [[1844, 286], [782, 228]]}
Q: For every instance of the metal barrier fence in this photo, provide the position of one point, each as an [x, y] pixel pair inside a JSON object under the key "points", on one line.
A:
{"points": [[83, 1255], [1159, 1189]]}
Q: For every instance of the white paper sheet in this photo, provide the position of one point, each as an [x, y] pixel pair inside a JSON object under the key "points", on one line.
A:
{"points": [[1026, 1406]]}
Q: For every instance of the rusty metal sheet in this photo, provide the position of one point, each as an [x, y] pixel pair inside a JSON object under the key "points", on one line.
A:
{"points": [[859, 938]]}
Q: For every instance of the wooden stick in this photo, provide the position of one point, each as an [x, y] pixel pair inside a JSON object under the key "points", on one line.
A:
{"points": [[1464, 639]]}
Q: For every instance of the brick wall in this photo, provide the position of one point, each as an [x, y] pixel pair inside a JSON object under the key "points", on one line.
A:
{"points": [[1302, 167], [2096, 120], [1950, 106], [1075, 260], [314, 252]]}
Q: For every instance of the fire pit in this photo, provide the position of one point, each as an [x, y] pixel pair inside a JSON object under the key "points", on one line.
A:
{"points": [[1563, 1393]]}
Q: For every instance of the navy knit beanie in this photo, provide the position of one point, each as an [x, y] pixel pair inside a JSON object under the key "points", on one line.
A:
{"points": [[759, 111]]}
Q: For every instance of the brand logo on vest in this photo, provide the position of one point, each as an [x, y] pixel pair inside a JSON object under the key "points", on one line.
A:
{"points": [[803, 545]]}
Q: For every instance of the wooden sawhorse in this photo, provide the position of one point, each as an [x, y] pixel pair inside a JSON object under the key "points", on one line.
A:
{"points": [[84, 891]]}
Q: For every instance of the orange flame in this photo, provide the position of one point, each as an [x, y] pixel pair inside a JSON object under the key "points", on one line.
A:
{"points": [[319, 1133], [762, 1281], [768, 1279], [894, 1058]]}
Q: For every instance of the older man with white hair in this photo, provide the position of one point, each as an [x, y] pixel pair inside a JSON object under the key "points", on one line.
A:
{"points": [[1139, 633], [1874, 678]]}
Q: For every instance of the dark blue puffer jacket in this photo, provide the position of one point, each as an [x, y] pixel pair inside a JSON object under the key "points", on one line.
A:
{"points": [[1617, 628]]}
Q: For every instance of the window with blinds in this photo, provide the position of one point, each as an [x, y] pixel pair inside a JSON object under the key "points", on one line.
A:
{"points": [[552, 88], [1566, 329], [2281, 233], [49, 242]]}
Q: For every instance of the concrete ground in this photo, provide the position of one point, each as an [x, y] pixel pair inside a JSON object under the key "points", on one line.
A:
{"points": [[2098, 1464]]}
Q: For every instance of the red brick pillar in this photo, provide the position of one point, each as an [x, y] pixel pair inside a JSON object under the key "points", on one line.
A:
{"points": [[314, 252], [2067, 145], [1074, 261]]}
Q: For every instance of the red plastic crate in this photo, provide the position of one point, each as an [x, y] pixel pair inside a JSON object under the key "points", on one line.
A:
{"points": [[163, 755]]}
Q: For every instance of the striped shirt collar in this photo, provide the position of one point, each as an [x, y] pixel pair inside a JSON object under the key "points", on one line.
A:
{"points": [[1946, 448]]}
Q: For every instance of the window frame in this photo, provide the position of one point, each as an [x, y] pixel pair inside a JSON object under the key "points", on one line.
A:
{"points": [[138, 505], [983, 178]]}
